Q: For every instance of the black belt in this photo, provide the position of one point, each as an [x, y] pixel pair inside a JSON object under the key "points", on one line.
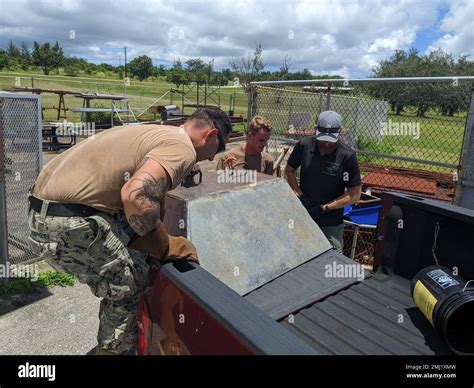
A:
{"points": [[57, 209]]}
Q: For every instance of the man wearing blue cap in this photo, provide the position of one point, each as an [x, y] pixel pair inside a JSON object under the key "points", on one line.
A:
{"points": [[329, 176]]}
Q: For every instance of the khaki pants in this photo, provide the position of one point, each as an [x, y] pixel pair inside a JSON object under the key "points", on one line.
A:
{"points": [[335, 236], [94, 250]]}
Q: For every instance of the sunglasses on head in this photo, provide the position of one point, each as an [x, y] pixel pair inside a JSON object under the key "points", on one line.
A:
{"points": [[328, 130]]}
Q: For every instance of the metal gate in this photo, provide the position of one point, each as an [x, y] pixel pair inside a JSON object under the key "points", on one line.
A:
{"points": [[20, 163], [408, 132]]}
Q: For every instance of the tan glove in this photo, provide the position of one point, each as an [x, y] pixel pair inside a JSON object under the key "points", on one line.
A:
{"points": [[155, 243], [181, 248], [162, 246]]}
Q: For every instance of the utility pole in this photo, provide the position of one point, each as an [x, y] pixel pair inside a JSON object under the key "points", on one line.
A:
{"points": [[209, 70], [125, 70]]}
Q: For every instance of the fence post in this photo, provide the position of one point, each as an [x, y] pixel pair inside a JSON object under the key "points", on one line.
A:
{"points": [[231, 111], [290, 112], [252, 103], [464, 195], [328, 97], [3, 211]]}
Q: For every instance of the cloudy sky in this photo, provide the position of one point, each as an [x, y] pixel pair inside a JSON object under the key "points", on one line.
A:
{"points": [[346, 37]]}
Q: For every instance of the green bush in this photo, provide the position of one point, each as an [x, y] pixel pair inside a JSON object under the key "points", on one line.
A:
{"points": [[71, 71]]}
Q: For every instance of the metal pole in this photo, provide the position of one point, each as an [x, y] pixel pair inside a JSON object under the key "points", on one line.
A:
{"points": [[464, 195], [328, 97], [125, 66], [354, 242], [230, 105], [336, 80], [197, 86], [290, 111], [3, 209]]}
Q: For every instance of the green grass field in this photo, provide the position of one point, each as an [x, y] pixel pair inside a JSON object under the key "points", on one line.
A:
{"points": [[140, 94]]}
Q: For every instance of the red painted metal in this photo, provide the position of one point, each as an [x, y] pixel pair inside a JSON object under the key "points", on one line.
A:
{"points": [[429, 184], [400, 182], [172, 323]]}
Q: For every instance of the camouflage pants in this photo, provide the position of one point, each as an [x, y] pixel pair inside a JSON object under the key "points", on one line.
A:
{"points": [[94, 249]]}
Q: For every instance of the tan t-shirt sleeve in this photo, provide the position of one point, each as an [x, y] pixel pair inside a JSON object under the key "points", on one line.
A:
{"points": [[177, 158]]}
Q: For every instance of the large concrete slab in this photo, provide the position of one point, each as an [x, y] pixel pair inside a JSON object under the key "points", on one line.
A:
{"points": [[246, 234]]}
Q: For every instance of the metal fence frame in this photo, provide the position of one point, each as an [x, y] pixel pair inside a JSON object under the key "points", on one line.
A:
{"points": [[465, 188], [4, 216], [463, 153]]}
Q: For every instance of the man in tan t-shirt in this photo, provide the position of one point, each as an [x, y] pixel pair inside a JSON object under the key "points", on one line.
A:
{"points": [[96, 211], [251, 156]]}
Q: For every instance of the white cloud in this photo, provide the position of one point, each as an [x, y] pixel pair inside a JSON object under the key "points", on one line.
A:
{"points": [[458, 26], [349, 37]]}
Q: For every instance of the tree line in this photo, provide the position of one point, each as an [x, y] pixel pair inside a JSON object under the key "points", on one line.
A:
{"points": [[411, 63], [50, 58], [446, 98]]}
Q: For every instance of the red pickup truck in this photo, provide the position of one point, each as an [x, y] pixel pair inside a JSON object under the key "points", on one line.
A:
{"points": [[269, 282]]}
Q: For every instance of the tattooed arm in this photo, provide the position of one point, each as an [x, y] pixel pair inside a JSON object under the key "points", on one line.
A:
{"points": [[143, 195]]}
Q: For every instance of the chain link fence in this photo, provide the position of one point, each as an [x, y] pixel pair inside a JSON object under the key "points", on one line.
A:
{"points": [[20, 163], [359, 242], [408, 133]]}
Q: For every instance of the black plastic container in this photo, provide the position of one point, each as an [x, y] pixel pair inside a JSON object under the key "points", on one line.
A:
{"points": [[448, 304]]}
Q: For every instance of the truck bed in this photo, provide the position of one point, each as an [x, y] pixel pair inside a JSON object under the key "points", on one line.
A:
{"points": [[374, 317], [303, 309]]}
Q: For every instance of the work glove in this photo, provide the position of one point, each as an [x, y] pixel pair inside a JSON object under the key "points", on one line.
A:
{"points": [[181, 248], [155, 244]]}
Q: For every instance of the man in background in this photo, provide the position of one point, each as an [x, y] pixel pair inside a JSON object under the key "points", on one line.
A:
{"points": [[329, 176], [251, 155]]}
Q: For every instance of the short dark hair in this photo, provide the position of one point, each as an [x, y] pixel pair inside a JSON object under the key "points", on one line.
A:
{"points": [[212, 116]]}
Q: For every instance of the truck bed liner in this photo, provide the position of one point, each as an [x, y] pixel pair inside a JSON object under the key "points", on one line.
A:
{"points": [[302, 286], [376, 316]]}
